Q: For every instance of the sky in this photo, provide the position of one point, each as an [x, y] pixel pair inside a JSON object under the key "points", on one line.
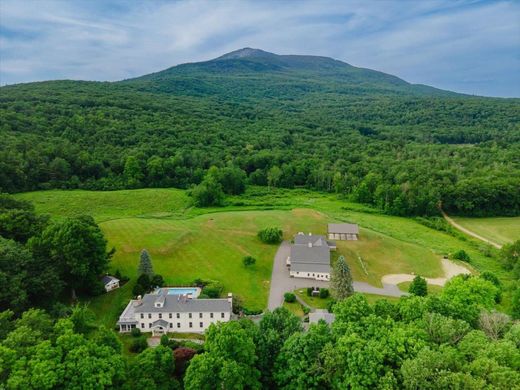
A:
{"points": [[468, 46]]}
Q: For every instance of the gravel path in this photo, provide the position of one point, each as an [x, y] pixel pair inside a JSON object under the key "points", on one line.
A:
{"points": [[467, 231], [450, 270]]}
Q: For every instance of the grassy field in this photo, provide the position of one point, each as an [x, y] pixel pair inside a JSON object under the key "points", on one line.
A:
{"points": [[501, 230], [187, 243]]}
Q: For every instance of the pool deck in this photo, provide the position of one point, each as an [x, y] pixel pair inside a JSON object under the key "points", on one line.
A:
{"points": [[193, 291]]}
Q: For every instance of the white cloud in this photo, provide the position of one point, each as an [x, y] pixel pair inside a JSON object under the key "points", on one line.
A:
{"points": [[444, 43]]}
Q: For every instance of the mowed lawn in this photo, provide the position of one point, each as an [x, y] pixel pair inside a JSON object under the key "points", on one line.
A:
{"points": [[381, 255], [502, 230], [209, 246]]}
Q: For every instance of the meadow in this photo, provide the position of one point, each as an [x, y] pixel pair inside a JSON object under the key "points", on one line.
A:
{"points": [[502, 230], [186, 243]]}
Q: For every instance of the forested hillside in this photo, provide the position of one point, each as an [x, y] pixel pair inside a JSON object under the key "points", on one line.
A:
{"points": [[285, 121]]}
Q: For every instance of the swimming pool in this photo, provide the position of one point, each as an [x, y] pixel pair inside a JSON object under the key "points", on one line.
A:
{"points": [[193, 291]]}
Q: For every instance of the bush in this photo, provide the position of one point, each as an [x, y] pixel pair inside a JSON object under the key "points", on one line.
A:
{"points": [[136, 332], [139, 344], [418, 287], [249, 312], [248, 261], [165, 340], [309, 291], [461, 255], [157, 281], [207, 193], [324, 293], [270, 235], [213, 290], [289, 297], [306, 310]]}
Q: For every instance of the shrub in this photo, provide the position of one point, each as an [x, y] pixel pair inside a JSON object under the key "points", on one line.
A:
{"points": [[270, 235], [249, 312], [139, 344], [461, 255], [289, 297], [136, 332], [182, 356], [165, 340], [324, 293], [418, 287], [213, 290], [248, 261], [157, 281], [309, 291], [306, 310]]}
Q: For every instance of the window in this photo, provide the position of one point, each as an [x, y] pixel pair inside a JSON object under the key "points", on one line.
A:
{"points": [[221, 315], [189, 315], [171, 325], [149, 325], [210, 315], [142, 315], [201, 325], [149, 315], [178, 315], [142, 326], [160, 315], [200, 315], [178, 324], [191, 324], [171, 315]]}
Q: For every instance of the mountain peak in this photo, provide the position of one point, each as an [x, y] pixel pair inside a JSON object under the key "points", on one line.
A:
{"points": [[246, 52]]}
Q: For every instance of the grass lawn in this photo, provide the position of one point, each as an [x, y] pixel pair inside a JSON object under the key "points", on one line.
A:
{"points": [[432, 288], [501, 230], [295, 308], [187, 243], [316, 302]]}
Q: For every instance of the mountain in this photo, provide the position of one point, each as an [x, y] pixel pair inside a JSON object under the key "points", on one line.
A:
{"points": [[267, 119], [253, 72]]}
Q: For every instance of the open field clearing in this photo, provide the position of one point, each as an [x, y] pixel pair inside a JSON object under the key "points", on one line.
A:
{"points": [[186, 243], [503, 230]]}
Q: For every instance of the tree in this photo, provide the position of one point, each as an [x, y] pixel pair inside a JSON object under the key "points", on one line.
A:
{"points": [[515, 304], [418, 287], [270, 235], [153, 369], [341, 279], [494, 324], [461, 255], [248, 261], [273, 176], [145, 264], [78, 248], [274, 329], [510, 257], [133, 173]]}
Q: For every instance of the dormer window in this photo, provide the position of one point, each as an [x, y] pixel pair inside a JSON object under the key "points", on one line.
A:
{"points": [[158, 304]]}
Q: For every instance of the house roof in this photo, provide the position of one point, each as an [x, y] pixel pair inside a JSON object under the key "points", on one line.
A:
{"points": [[315, 317], [162, 323], [306, 254], [108, 278], [180, 304], [306, 239], [345, 228], [310, 267]]}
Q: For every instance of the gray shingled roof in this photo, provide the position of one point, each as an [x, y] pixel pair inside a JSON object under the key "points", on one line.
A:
{"points": [[310, 267], [162, 323], [315, 254], [181, 304], [107, 279], [345, 228], [318, 315], [305, 239]]}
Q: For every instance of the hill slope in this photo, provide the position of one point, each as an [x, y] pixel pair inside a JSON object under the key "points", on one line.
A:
{"points": [[313, 121]]}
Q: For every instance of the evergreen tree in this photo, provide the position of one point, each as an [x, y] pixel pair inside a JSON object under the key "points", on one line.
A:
{"points": [[341, 279], [418, 287], [145, 264]]}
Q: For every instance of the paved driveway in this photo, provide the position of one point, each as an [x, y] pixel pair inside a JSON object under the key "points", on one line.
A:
{"points": [[281, 282]]}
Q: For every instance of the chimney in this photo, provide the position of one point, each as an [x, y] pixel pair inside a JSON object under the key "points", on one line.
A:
{"points": [[230, 298], [310, 234], [139, 300]]}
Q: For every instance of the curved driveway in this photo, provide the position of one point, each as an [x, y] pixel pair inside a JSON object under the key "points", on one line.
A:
{"points": [[281, 282]]}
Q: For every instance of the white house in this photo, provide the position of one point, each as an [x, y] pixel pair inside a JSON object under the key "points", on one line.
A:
{"points": [[110, 283], [161, 313], [310, 257]]}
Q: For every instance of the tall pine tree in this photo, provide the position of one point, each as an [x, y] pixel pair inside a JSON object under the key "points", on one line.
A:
{"points": [[145, 264], [341, 279]]}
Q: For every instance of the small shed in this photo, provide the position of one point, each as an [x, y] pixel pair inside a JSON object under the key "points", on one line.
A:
{"points": [[343, 231], [110, 282]]}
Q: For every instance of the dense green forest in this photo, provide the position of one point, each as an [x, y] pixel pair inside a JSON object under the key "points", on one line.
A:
{"points": [[285, 121]]}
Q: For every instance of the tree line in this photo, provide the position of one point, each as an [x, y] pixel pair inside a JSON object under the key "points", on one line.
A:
{"points": [[402, 154]]}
